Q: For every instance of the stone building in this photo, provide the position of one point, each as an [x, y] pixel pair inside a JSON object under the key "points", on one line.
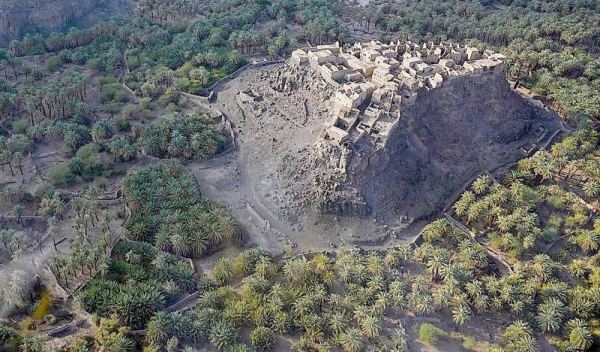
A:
{"points": [[379, 80]]}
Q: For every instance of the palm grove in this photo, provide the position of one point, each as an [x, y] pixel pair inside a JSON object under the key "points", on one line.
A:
{"points": [[524, 243]]}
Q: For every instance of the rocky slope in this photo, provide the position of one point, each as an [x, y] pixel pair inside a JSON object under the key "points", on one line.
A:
{"points": [[18, 17], [469, 125]]}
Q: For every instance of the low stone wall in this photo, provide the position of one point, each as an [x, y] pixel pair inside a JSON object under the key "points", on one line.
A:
{"points": [[183, 303]]}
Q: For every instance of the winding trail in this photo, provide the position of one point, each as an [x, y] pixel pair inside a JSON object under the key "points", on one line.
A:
{"points": [[124, 73]]}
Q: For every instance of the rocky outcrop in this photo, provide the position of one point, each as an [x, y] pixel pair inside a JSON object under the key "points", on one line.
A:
{"points": [[471, 123], [18, 17]]}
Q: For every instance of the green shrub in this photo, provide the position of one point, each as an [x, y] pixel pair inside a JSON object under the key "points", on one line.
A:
{"points": [[469, 343], [183, 101], [146, 103], [262, 338], [122, 124], [110, 91], [133, 62], [121, 97], [53, 63], [172, 107], [77, 166], [44, 190], [430, 333], [95, 162], [6, 335], [129, 111], [50, 319], [19, 126], [37, 74], [164, 100], [184, 83], [61, 175], [107, 80], [146, 115]]}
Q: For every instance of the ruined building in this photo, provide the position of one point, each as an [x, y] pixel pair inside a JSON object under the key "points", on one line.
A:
{"points": [[377, 81]]}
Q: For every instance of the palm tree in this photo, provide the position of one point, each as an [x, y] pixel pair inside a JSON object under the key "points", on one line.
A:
{"points": [[222, 336], [18, 211], [370, 326], [32, 344], [262, 338], [578, 268], [461, 314], [580, 335], [481, 184], [528, 343], [223, 270], [382, 301], [423, 304], [199, 74], [587, 240], [122, 344], [375, 264], [435, 263], [516, 333], [550, 316], [337, 322], [591, 189], [351, 340]]}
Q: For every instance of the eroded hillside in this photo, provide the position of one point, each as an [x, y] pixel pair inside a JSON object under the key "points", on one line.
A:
{"points": [[443, 137], [18, 17]]}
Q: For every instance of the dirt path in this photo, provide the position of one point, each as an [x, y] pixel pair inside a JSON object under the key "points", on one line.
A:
{"points": [[124, 73]]}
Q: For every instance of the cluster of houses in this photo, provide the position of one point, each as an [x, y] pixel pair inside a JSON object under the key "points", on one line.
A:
{"points": [[375, 81]]}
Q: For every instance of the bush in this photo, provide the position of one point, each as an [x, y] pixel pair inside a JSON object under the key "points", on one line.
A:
{"points": [[183, 101], [6, 335], [184, 83], [121, 97], [50, 319], [262, 338], [44, 190], [164, 100], [146, 103], [53, 63], [61, 175], [19, 126], [469, 343], [146, 115], [112, 92], [92, 64], [94, 162], [430, 333], [129, 111], [107, 80], [122, 124], [37, 74], [133, 62], [172, 108]]}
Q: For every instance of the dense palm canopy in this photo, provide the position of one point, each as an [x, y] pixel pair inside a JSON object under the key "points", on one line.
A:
{"points": [[168, 211]]}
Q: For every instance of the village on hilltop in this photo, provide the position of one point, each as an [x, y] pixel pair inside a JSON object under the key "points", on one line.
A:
{"points": [[375, 81]]}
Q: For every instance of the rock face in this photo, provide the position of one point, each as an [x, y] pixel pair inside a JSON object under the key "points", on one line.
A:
{"points": [[470, 124], [18, 17]]}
